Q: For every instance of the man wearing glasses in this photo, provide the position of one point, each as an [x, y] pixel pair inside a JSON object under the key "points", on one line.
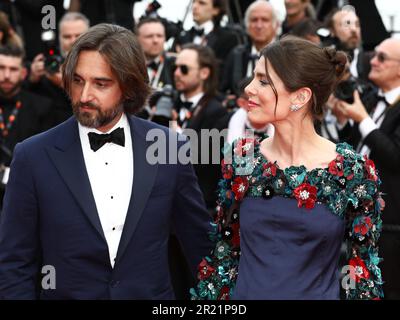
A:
{"points": [[376, 132], [345, 27], [196, 80]]}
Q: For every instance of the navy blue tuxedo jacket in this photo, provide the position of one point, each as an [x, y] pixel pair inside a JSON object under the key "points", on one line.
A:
{"points": [[50, 218]]}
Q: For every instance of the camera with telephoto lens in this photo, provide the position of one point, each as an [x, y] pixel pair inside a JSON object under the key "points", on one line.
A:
{"points": [[345, 89], [164, 102], [52, 57]]}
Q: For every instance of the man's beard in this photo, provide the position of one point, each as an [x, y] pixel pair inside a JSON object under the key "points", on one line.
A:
{"points": [[11, 92], [97, 119]]}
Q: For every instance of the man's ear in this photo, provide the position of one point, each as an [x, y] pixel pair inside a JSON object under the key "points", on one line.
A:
{"points": [[24, 73], [204, 73]]}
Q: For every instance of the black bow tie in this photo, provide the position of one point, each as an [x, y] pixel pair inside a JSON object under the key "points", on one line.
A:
{"points": [[254, 57], [98, 140], [153, 66], [383, 99], [198, 32], [183, 104]]}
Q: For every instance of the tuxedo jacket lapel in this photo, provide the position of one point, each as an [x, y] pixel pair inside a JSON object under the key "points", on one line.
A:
{"points": [[144, 176], [391, 117], [67, 156]]}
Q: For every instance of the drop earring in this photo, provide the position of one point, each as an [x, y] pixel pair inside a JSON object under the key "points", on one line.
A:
{"points": [[294, 107]]}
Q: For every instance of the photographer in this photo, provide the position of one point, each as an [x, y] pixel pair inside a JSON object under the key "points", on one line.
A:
{"points": [[22, 114], [45, 77], [207, 15], [345, 29], [151, 37], [373, 127]]}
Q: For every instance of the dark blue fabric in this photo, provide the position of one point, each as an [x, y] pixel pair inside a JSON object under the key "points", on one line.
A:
{"points": [[288, 252]]}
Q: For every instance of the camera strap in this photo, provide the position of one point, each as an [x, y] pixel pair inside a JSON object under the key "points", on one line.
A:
{"points": [[5, 126], [155, 72]]}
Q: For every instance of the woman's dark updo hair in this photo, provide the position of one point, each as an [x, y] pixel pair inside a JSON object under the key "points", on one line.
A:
{"points": [[300, 63]]}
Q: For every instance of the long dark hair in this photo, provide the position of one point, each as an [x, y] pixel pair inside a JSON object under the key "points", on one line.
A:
{"points": [[121, 49], [222, 5], [300, 63], [206, 59]]}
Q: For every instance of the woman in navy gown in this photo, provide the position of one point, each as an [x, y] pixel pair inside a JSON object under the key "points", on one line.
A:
{"points": [[286, 203]]}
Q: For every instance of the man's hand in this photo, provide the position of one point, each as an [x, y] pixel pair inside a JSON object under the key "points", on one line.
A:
{"points": [[355, 111], [333, 105], [37, 68], [55, 78]]}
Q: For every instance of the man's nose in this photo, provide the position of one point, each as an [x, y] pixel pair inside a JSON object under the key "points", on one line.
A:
{"points": [[86, 94]]}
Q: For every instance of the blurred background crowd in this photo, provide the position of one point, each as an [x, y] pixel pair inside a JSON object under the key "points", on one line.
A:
{"points": [[200, 56]]}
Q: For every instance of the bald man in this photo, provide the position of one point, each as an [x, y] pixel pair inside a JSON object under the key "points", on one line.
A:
{"points": [[376, 133]]}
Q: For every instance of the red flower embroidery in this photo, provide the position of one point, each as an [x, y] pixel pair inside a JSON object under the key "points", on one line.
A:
{"points": [[336, 166], [364, 226], [306, 194], [224, 293], [239, 187], [360, 269], [371, 171], [269, 169], [205, 270], [227, 170]]}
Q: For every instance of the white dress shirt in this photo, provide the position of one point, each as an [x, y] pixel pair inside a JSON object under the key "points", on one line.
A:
{"points": [[354, 62], [252, 64], [110, 171], [237, 126], [194, 100], [207, 27], [375, 120]]}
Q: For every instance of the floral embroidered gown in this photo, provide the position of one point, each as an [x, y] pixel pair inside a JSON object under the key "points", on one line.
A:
{"points": [[292, 225]]}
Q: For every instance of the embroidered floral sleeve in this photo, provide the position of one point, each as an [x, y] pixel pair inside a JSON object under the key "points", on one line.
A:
{"points": [[363, 227], [217, 273]]}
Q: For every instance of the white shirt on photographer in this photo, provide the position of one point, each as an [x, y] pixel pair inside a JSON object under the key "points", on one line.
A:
{"points": [[374, 121]]}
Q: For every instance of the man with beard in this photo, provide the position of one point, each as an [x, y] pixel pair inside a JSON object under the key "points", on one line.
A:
{"points": [[22, 114], [85, 201], [345, 28]]}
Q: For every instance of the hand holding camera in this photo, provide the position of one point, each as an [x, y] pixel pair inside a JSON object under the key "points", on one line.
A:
{"points": [[37, 68], [355, 111]]}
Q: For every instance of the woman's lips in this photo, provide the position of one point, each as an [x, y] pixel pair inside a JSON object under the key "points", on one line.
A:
{"points": [[252, 104]]}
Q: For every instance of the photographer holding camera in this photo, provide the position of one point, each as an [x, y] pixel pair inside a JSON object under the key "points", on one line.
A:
{"points": [[45, 77], [151, 35], [373, 127]]}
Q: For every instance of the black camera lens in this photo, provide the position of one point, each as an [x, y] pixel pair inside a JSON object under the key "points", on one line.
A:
{"points": [[345, 89]]}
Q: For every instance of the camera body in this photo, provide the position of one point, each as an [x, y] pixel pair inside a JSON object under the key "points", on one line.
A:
{"points": [[164, 102], [53, 58], [172, 29], [345, 89]]}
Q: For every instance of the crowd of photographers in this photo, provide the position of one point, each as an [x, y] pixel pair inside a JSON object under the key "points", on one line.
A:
{"points": [[199, 76]]}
